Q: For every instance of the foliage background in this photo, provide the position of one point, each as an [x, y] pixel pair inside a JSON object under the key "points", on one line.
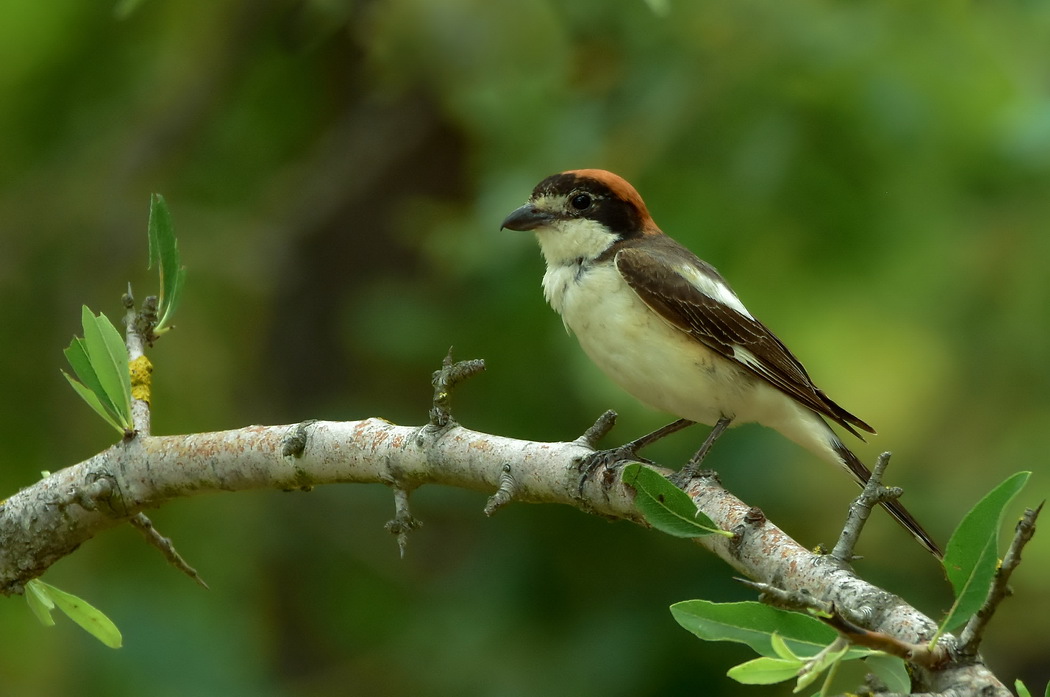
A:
{"points": [[873, 176]]}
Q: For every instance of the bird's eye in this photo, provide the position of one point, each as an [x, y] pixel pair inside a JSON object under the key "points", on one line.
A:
{"points": [[581, 202]]}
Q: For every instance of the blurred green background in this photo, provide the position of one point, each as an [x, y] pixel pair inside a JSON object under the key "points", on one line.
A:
{"points": [[873, 177]]}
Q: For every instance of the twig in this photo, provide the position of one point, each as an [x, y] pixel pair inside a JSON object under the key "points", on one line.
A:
{"points": [[403, 522], [829, 614], [138, 364], [144, 525], [973, 632], [873, 494], [444, 380], [138, 334], [598, 430]]}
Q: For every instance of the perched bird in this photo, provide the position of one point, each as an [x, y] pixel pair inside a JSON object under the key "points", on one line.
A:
{"points": [[667, 327]]}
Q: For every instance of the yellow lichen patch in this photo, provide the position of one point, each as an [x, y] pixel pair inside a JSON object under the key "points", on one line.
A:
{"points": [[140, 369]]}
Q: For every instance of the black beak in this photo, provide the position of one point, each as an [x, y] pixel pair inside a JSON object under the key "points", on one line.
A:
{"points": [[528, 217]]}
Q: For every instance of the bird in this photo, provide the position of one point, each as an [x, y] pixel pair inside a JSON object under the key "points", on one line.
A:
{"points": [[668, 328]]}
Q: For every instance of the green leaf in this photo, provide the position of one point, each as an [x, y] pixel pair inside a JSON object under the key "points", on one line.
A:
{"points": [[972, 589], [981, 523], [97, 352], [88, 617], [813, 670], [109, 359], [78, 358], [666, 507], [765, 671], [754, 624], [781, 649], [92, 400], [164, 253], [891, 670], [117, 351], [972, 554], [100, 361], [40, 602]]}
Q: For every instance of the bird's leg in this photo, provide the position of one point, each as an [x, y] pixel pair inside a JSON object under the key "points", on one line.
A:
{"points": [[692, 468], [614, 457]]}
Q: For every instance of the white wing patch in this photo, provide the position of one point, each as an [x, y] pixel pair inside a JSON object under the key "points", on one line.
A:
{"points": [[713, 288], [744, 356]]}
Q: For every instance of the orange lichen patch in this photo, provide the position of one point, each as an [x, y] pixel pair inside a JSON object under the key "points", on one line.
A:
{"points": [[369, 427], [140, 370], [480, 444]]}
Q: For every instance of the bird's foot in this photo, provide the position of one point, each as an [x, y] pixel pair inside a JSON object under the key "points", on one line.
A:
{"points": [[611, 460], [607, 462]]}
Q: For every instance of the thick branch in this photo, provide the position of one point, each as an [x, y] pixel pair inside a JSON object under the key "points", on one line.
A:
{"points": [[50, 519]]}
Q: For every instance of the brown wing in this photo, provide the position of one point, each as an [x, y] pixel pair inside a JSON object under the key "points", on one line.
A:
{"points": [[652, 274]]}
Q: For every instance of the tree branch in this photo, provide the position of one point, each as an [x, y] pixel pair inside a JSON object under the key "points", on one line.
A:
{"points": [[50, 519]]}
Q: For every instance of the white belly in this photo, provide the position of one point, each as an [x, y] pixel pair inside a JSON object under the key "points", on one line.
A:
{"points": [[665, 368], [655, 362]]}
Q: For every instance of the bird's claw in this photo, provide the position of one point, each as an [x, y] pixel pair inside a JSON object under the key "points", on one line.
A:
{"points": [[608, 461]]}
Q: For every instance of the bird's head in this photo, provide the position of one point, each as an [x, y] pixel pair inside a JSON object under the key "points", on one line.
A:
{"points": [[581, 213]]}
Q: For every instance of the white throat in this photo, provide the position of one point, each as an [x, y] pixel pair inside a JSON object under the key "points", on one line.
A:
{"points": [[566, 242]]}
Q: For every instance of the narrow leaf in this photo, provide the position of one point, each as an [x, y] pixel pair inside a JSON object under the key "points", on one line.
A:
{"points": [[93, 402], [984, 520], [891, 671], [89, 618], [666, 507], [40, 602], [78, 359], [173, 299], [765, 671], [781, 649], [972, 590], [159, 230], [118, 353], [164, 253], [972, 554], [105, 365]]}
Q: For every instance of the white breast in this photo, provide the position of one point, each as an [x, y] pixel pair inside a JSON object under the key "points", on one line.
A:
{"points": [[655, 362], [663, 366]]}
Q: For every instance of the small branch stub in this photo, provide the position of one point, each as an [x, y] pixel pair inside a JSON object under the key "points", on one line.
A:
{"points": [[873, 494], [444, 381], [508, 488], [598, 430], [294, 444], [145, 526], [403, 522]]}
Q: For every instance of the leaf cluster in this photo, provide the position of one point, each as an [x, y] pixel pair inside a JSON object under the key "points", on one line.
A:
{"points": [[793, 645]]}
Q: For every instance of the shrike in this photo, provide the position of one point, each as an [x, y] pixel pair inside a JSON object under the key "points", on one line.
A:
{"points": [[666, 326]]}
